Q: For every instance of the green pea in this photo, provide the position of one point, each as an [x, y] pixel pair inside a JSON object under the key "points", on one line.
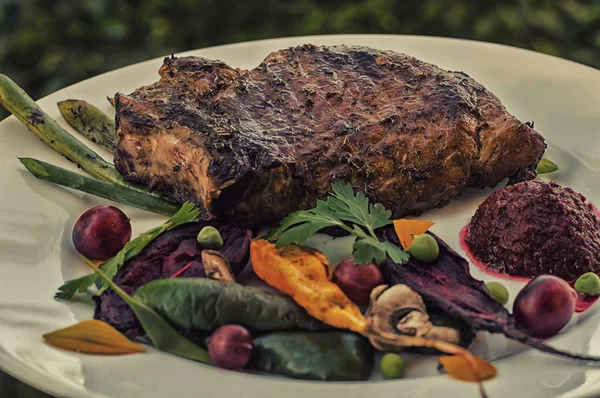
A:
{"points": [[424, 248], [589, 284], [391, 366], [498, 291], [210, 238]]}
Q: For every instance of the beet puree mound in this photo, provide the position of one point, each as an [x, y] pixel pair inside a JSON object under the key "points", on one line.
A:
{"points": [[534, 228]]}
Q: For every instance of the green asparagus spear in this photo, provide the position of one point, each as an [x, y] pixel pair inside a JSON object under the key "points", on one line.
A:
{"points": [[80, 182], [90, 122], [17, 102]]}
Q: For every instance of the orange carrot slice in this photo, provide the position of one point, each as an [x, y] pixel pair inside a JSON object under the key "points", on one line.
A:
{"points": [[406, 229], [459, 368]]}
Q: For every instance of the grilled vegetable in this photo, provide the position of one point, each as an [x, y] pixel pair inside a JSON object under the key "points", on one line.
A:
{"points": [[58, 175], [304, 274], [17, 102], [448, 286], [318, 355], [163, 336], [202, 304], [90, 122], [334, 355]]}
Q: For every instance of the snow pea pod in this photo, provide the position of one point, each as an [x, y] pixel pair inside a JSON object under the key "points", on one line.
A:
{"points": [[201, 304], [329, 355]]}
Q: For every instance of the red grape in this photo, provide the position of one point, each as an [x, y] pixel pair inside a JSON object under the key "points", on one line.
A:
{"points": [[545, 305], [230, 347], [357, 281], [101, 232]]}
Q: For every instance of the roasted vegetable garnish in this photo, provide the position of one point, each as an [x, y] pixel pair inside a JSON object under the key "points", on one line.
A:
{"points": [[161, 333], [216, 266], [398, 309], [17, 102], [173, 254], [107, 190], [90, 122], [408, 229], [92, 337], [458, 368], [304, 274], [447, 285]]}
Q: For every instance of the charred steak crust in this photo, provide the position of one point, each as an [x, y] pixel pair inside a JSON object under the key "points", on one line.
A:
{"points": [[255, 145]]}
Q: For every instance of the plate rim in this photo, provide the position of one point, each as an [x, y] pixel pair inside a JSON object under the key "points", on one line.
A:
{"points": [[34, 378]]}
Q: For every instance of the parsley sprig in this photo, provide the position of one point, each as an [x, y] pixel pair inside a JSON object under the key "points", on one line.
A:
{"points": [[349, 211], [187, 213]]}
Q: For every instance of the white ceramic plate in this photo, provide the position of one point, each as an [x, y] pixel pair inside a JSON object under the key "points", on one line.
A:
{"points": [[36, 255]]}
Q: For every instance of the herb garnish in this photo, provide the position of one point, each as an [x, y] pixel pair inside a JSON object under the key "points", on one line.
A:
{"points": [[349, 211], [187, 213]]}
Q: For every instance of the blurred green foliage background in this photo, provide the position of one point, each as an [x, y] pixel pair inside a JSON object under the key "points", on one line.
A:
{"points": [[48, 44]]}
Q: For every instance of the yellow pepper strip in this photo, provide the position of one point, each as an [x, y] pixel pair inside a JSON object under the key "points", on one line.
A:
{"points": [[303, 273]]}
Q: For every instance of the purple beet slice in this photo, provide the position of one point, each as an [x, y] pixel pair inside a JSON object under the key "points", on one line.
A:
{"points": [[174, 253], [448, 286]]}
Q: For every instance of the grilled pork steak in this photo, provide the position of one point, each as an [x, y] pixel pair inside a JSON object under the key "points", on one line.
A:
{"points": [[256, 145]]}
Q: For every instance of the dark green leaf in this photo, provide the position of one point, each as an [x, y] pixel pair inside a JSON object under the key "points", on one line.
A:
{"points": [[162, 334], [201, 304], [334, 355]]}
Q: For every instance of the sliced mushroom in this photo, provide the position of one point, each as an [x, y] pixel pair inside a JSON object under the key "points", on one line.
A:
{"points": [[216, 266], [400, 311]]}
